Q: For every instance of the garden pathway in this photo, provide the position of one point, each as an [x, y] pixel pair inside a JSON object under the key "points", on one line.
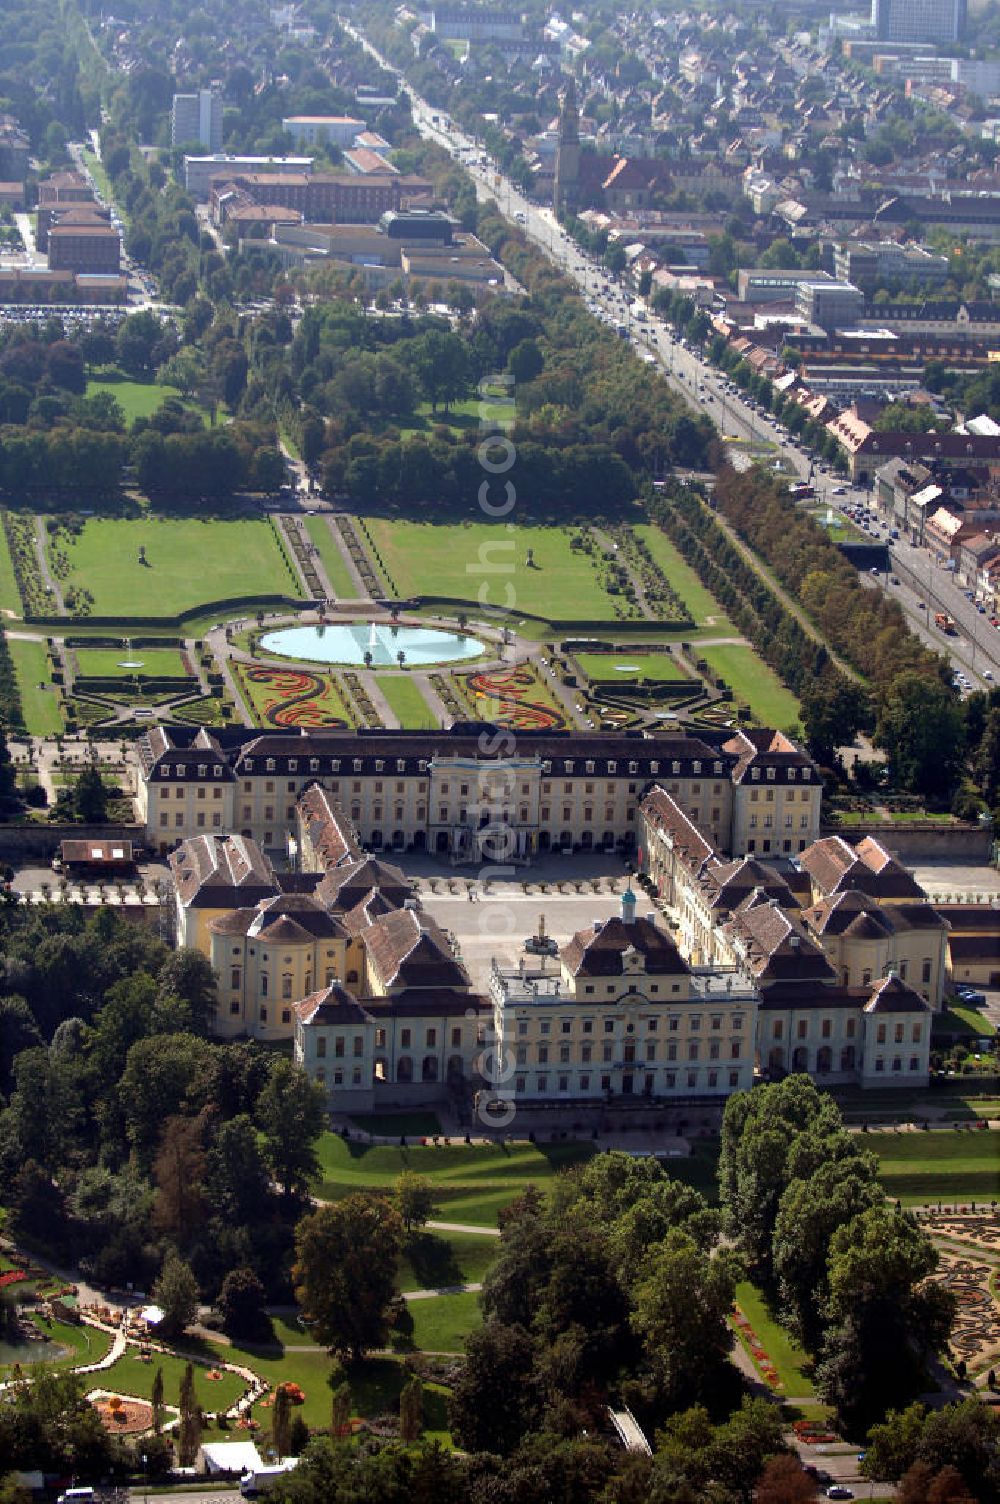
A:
{"points": [[48, 579], [485, 1232], [442, 1290]]}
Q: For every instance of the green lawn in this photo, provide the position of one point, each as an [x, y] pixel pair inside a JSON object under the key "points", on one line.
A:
{"points": [[948, 1165], [188, 561], [472, 1182], [130, 1375], [789, 1360], [137, 399], [701, 604], [963, 1018], [406, 702], [750, 678], [469, 412], [106, 662], [320, 532], [459, 562], [611, 667], [442, 1323], [40, 707], [10, 596]]}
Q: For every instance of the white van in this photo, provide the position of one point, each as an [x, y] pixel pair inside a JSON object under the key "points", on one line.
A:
{"points": [[77, 1496]]}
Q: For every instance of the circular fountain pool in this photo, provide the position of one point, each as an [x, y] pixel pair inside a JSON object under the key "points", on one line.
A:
{"points": [[348, 643]]}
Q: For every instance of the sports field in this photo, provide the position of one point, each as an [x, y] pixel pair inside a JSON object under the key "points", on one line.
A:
{"points": [[628, 664], [406, 701], [188, 562], [486, 565], [751, 680]]}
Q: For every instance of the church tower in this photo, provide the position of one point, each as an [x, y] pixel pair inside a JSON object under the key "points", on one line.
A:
{"points": [[566, 188]]}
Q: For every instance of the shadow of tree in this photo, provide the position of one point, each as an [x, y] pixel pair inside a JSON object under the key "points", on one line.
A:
{"points": [[433, 1260]]}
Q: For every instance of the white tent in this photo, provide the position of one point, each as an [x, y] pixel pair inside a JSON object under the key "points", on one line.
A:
{"points": [[228, 1457]]}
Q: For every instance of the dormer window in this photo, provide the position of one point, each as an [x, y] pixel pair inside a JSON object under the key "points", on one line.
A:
{"points": [[217, 770], [422, 765], [202, 769], [269, 766], [806, 775], [357, 765], [770, 775], [633, 767], [791, 775], [249, 765], [314, 764], [400, 765], [654, 768], [379, 765], [612, 766], [717, 767], [696, 767], [675, 768], [293, 765], [755, 774], [334, 764]]}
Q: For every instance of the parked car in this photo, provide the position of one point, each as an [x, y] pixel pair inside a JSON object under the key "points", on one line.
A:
{"points": [[971, 995], [839, 1491]]}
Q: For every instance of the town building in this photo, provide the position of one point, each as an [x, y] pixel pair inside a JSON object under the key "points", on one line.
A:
{"points": [[88, 248], [199, 171], [317, 130], [566, 183], [884, 263], [473, 23], [829, 304], [197, 117], [919, 20]]}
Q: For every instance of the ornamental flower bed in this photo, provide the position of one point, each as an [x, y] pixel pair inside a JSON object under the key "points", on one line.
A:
{"points": [[763, 1363], [812, 1433], [12, 1277], [507, 689]]}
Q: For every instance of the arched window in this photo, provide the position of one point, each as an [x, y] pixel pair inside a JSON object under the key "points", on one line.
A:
{"points": [[404, 1068], [429, 1070]]}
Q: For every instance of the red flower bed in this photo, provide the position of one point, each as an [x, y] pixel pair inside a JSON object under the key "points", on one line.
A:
{"points": [[12, 1277], [508, 687]]}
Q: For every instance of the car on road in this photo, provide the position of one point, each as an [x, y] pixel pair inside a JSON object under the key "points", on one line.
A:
{"points": [[970, 995], [839, 1491], [840, 490]]}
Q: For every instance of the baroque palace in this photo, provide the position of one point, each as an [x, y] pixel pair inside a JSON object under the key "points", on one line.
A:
{"points": [[772, 950]]}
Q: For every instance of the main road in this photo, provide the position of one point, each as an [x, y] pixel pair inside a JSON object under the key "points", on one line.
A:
{"points": [[920, 586]]}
